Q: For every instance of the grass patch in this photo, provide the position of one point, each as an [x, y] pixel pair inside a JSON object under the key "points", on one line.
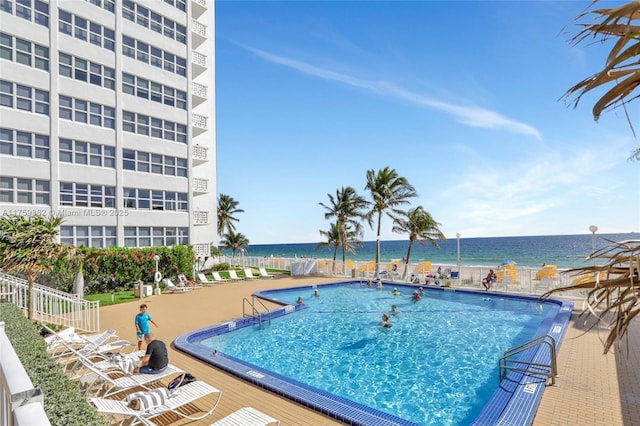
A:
{"points": [[113, 298]]}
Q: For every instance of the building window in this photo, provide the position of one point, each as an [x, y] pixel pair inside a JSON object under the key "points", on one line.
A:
{"points": [[89, 236], [24, 144], [145, 236], [156, 92], [85, 30], [145, 162], [83, 111], [151, 55], [87, 71], [154, 127], [84, 195], [31, 10], [154, 21], [24, 97], [24, 191], [85, 153]]}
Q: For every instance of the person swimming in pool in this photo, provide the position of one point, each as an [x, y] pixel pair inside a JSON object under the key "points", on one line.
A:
{"points": [[299, 301], [394, 310], [416, 296], [395, 292], [379, 286], [385, 321]]}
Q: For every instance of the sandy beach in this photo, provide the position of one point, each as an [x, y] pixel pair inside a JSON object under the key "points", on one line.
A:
{"points": [[593, 389]]}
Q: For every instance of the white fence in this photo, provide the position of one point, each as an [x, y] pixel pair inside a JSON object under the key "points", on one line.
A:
{"points": [[20, 403], [51, 305], [522, 280]]}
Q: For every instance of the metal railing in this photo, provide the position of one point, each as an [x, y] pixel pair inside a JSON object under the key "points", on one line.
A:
{"points": [[21, 404], [255, 313], [535, 364], [51, 306]]}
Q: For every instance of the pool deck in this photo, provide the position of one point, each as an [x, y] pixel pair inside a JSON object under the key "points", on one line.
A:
{"points": [[593, 389]]}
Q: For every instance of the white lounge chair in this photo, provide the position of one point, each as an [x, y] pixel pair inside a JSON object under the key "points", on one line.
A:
{"points": [[246, 416], [170, 286], [185, 282], [249, 274], [106, 383], [265, 274], [218, 278], [203, 279], [234, 276], [186, 394]]}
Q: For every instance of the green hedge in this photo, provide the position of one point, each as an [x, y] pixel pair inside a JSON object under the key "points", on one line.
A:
{"points": [[117, 268], [63, 402]]}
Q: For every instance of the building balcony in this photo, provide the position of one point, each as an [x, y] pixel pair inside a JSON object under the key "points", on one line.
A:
{"points": [[200, 217], [199, 124], [198, 7], [199, 62], [199, 33], [201, 250], [199, 155], [200, 186], [199, 93]]}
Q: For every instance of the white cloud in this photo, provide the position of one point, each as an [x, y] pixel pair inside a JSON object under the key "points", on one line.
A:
{"points": [[468, 115]]}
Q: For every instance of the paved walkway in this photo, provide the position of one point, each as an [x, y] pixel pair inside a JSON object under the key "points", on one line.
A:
{"points": [[593, 389]]}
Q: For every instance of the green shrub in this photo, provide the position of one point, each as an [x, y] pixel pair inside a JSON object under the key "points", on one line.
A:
{"points": [[63, 403]]}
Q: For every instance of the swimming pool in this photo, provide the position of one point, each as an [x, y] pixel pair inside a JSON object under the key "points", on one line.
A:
{"points": [[436, 365]]}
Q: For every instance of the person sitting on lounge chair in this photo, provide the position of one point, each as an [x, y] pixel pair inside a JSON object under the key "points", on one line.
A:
{"points": [[489, 279]]}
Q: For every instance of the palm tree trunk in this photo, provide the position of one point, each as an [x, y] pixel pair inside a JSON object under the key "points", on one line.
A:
{"points": [[378, 244], [406, 263]]}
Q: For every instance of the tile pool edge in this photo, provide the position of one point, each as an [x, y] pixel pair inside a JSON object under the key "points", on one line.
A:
{"points": [[514, 402]]}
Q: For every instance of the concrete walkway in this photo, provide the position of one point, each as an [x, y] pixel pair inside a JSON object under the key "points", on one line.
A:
{"points": [[593, 389]]}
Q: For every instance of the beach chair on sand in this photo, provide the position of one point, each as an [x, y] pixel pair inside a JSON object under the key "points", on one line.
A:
{"points": [[234, 276], [185, 282], [249, 274], [170, 286], [265, 274], [186, 394], [203, 279], [247, 416]]}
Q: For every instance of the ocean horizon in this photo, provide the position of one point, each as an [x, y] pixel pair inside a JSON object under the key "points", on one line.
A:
{"points": [[565, 251]]}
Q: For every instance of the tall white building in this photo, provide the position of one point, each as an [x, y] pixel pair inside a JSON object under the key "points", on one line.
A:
{"points": [[107, 117]]}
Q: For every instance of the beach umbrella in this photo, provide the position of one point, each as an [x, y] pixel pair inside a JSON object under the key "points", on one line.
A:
{"points": [[508, 262]]}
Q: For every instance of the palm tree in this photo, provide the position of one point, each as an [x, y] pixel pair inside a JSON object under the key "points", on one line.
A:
{"points": [[613, 288], [227, 208], [347, 207], [421, 227], [388, 191], [621, 66], [28, 247], [234, 241], [333, 240]]}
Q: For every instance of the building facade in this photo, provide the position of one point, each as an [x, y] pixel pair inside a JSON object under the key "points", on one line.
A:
{"points": [[107, 118]]}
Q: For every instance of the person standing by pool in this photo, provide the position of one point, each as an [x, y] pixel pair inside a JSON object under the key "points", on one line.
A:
{"points": [[141, 322]]}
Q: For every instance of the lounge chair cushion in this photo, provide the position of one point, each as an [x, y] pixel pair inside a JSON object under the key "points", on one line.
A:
{"points": [[145, 400]]}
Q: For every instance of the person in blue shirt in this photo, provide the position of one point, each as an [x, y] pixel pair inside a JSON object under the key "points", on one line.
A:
{"points": [[142, 324]]}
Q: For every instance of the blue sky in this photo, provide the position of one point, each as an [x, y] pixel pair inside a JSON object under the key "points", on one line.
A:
{"points": [[464, 99]]}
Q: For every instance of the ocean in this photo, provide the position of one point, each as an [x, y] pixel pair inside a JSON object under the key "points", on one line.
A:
{"points": [[565, 251]]}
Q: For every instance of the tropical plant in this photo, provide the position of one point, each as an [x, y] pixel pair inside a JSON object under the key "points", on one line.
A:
{"points": [[388, 191], [227, 208], [422, 229], [347, 207], [613, 288], [28, 247], [234, 241], [621, 68], [333, 240]]}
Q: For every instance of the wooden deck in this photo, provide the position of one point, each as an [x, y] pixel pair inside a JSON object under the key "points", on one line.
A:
{"points": [[593, 389]]}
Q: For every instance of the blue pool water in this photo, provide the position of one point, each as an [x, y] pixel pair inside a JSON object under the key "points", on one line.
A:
{"points": [[437, 365]]}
